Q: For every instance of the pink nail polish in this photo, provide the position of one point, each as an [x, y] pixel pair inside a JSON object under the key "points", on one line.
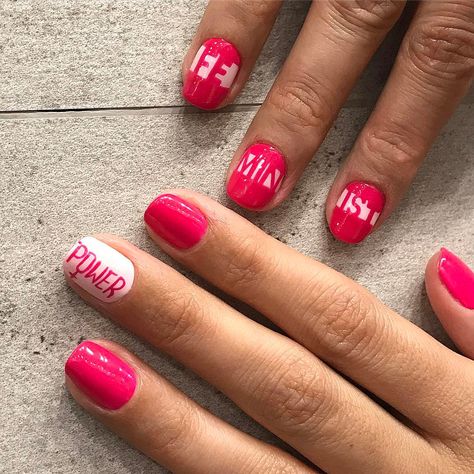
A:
{"points": [[356, 212], [457, 277], [258, 176], [104, 378], [211, 74], [175, 220]]}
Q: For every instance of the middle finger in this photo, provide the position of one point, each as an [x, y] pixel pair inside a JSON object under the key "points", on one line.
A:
{"points": [[335, 44]]}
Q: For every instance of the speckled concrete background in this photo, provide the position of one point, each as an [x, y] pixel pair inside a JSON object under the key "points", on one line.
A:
{"points": [[67, 174]]}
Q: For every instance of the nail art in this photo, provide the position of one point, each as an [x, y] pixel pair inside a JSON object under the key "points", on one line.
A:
{"points": [[258, 176], [99, 269], [100, 375], [175, 220], [357, 210], [211, 74], [457, 277]]}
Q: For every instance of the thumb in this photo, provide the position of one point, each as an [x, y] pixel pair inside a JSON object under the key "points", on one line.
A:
{"points": [[450, 287]]}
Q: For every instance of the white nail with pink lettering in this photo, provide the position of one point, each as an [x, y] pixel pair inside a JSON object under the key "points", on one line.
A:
{"points": [[99, 269]]}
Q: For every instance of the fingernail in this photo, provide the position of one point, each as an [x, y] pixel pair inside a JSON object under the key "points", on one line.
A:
{"points": [[99, 269], [100, 375], [258, 176], [357, 210], [211, 74], [457, 277], [178, 222]]}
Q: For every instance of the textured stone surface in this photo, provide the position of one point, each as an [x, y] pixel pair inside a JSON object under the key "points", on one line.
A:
{"points": [[64, 176], [127, 53]]}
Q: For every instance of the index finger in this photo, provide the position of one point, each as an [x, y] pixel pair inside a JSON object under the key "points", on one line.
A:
{"points": [[224, 50]]}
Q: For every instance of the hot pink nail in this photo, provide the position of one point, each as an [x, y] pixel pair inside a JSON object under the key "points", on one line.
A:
{"points": [[175, 220], [356, 212], [258, 176], [457, 277], [211, 74], [107, 380]]}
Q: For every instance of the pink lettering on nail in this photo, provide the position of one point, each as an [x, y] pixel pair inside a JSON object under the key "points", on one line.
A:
{"points": [[99, 269]]}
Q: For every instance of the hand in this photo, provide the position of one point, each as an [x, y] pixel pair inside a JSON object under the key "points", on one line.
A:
{"points": [[309, 388], [433, 71]]}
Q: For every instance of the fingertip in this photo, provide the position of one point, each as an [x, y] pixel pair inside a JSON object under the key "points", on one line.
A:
{"points": [[450, 287]]}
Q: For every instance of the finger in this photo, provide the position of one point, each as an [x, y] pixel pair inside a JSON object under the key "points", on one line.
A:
{"points": [[336, 42], [433, 71], [275, 380], [331, 315], [147, 411], [224, 50], [450, 286]]}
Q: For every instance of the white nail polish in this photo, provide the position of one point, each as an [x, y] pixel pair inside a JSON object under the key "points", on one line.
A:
{"points": [[99, 269]]}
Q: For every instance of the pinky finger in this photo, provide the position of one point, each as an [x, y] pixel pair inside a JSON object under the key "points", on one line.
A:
{"points": [[450, 287], [152, 415]]}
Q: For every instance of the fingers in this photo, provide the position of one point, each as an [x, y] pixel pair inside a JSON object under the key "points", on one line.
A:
{"points": [[152, 415], [275, 380], [224, 50], [337, 40], [450, 286], [329, 314], [433, 71]]}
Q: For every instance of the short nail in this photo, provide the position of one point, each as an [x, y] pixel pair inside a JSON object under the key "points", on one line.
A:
{"points": [[357, 210], [457, 277], [100, 375], [175, 220], [99, 269], [258, 176], [211, 74]]}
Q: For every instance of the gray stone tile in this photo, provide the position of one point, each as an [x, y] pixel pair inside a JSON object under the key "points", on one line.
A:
{"points": [[62, 178], [101, 54]]}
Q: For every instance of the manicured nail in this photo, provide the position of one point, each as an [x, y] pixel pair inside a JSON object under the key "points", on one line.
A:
{"points": [[357, 210], [211, 74], [457, 277], [100, 375], [258, 176], [177, 221], [99, 269]]}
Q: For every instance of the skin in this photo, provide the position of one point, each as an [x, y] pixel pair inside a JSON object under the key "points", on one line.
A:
{"points": [[304, 385], [433, 71]]}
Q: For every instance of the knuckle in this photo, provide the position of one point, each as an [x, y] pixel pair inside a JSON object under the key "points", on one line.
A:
{"points": [[391, 149], [344, 322], [257, 9], [183, 321], [301, 103], [443, 48], [246, 265], [293, 395], [179, 427], [366, 15], [269, 464]]}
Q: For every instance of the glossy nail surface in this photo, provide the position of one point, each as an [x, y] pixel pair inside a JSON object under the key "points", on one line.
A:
{"points": [[99, 269], [457, 277], [211, 74], [100, 375], [177, 221], [258, 176], [357, 210]]}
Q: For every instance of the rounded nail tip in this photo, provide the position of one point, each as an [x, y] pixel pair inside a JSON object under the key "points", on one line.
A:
{"points": [[344, 237], [192, 99], [245, 204]]}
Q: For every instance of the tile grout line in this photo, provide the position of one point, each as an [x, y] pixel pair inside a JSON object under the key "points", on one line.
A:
{"points": [[120, 111], [155, 110]]}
